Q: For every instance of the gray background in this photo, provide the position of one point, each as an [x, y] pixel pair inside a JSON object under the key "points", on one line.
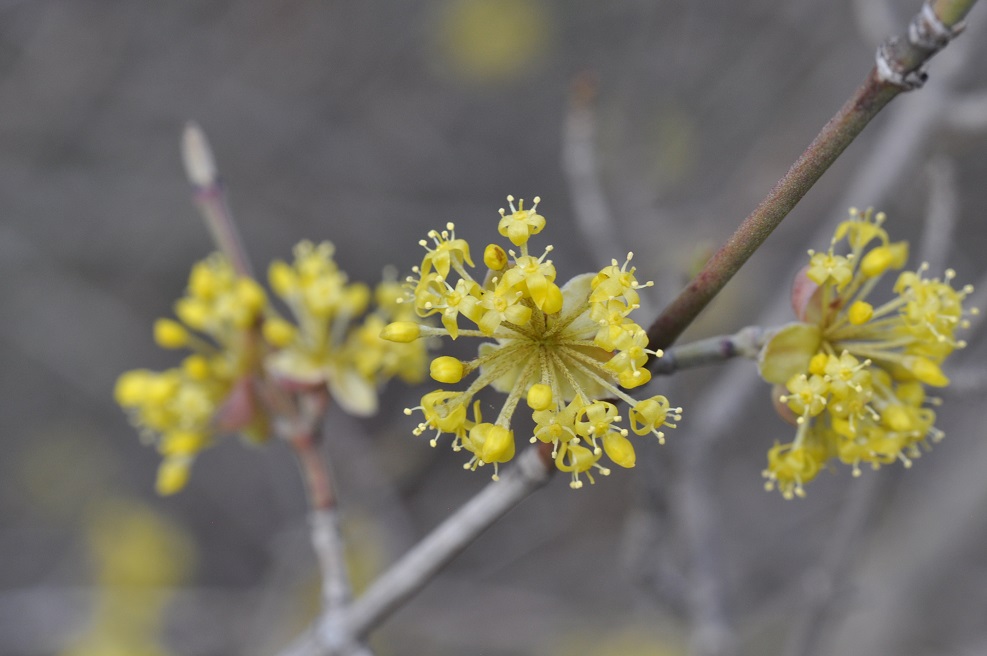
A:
{"points": [[369, 123]]}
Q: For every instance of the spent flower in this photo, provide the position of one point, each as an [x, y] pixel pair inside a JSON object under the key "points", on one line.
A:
{"points": [[565, 350], [852, 374]]}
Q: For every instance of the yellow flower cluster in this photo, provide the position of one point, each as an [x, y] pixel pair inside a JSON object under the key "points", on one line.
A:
{"points": [[854, 374], [241, 345], [177, 408], [322, 346], [563, 349]]}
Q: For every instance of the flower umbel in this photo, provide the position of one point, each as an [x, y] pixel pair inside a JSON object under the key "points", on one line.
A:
{"points": [[325, 346], [181, 409], [248, 360], [563, 350], [854, 374]]}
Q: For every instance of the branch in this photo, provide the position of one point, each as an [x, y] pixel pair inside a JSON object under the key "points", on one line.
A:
{"points": [[968, 113], [941, 213], [900, 67], [824, 585], [589, 205], [416, 568], [301, 431], [200, 167], [746, 342]]}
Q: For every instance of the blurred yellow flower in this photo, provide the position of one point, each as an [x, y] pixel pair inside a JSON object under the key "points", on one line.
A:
{"points": [[492, 39], [139, 558], [242, 345], [177, 408]]}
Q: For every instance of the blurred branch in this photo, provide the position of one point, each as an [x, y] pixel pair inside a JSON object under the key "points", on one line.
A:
{"points": [[712, 632], [200, 167], [746, 343], [823, 585], [914, 547], [900, 67], [589, 203], [968, 113], [941, 214], [301, 431], [334, 635]]}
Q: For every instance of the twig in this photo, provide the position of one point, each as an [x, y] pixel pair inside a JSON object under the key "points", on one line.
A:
{"points": [[823, 584], [968, 113], [712, 633], [900, 67], [326, 539], [941, 214], [200, 167], [589, 205], [302, 432], [409, 574], [903, 565], [746, 342]]}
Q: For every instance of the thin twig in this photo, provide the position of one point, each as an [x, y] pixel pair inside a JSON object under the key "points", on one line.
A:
{"points": [[589, 204], [302, 433], [332, 635], [200, 167], [823, 584], [900, 67], [941, 214], [745, 343], [968, 113]]}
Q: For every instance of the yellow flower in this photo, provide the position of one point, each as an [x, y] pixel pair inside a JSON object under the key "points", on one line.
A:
{"points": [[241, 344], [563, 349], [332, 343], [855, 372], [180, 409]]}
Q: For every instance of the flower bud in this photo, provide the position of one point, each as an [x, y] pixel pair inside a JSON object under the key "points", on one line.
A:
{"points": [[540, 397], [170, 334], [494, 257], [446, 369], [403, 332], [860, 313]]}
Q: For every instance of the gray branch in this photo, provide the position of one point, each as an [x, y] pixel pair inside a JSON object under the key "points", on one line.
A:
{"points": [[746, 343], [335, 633]]}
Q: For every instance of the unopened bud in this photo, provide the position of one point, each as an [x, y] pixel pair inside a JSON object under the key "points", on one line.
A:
{"points": [[200, 166], [402, 332], [446, 369]]}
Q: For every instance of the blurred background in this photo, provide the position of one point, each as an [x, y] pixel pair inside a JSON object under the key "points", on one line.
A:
{"points": [[655, 126]]}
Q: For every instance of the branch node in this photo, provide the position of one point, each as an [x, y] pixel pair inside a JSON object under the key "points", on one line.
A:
{"points": [[928, 32], [896, 58], [889, 67]]}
